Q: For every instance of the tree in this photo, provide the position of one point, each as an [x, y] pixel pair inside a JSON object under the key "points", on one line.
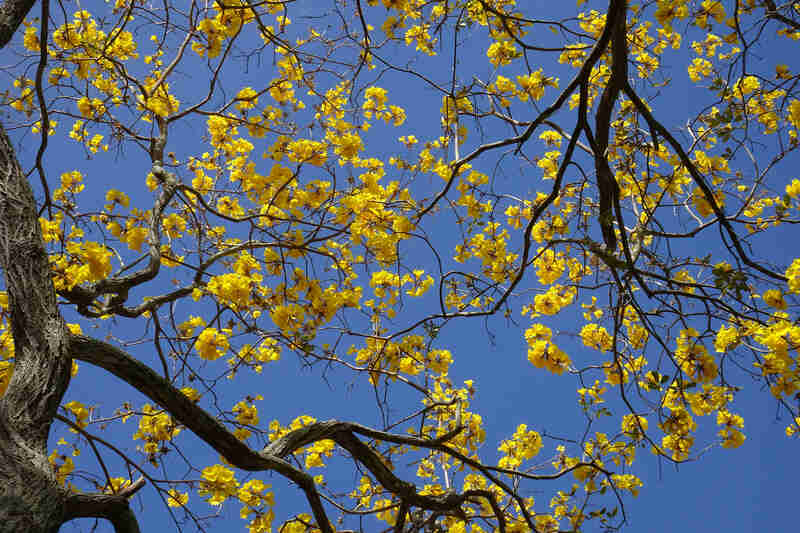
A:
{"points": [[262, 208]]}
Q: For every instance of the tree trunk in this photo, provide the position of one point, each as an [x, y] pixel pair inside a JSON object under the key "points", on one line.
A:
{"points": [[31, 499]]}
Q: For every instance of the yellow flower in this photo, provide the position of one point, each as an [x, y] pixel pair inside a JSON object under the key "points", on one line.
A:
{"points": [[711, 8], [374, 100], [6, 370], [51, 229], [550, 266], [501, 53], [549, 163], [282, 91], [668, 10], [173, 224], [79, 411], [247, 98], [177, 499], [246, 413], [289, 318], [191, 393], [551, 138], [699, 69], [91, 108], [218, 483], [98, 259], [155, 426], [596, 336], [347, 145], [532, 85], [116, 484], [793, 276], [211, 344], [627, 482], [631, 425], [114, 197], [71, 181], [703, 206], [301, 151], [693, 358], [774, 298], [31, 39]]}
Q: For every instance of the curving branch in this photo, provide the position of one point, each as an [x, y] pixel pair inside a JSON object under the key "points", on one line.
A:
{"points": [[112, 507], [118, 287], [272, 457], [202, 424]]}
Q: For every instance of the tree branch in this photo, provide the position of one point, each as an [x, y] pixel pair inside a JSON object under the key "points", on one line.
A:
{"points": [[773, 13], [700, 181], [113, 507], [607, 186], [202, 424], [271, 457]]}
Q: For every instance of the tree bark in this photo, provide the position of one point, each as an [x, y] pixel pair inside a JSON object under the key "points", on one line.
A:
{"points": [[31, 499], [12, 13]]}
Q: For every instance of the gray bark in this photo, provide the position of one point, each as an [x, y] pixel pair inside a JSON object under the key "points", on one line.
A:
{"points": [[12, 13], [31, 499]]}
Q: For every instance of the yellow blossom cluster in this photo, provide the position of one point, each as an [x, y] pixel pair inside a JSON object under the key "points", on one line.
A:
{"points": [[155, 428], [315, 452], [677, 426], [591, 396], [63, 468], [634, 426], [246, 412], [551, 302], [501, 53], [255, 495], [542, 353], [84, 262], [156, 97], [268, 350], [226, 24], [6, 370], [79, 411], [533, 85], [218, 484], [596, 336], [693, 358], [491, 247], [212, 343], [177, 499], [524, 444], [375, 106], [407, 356]]}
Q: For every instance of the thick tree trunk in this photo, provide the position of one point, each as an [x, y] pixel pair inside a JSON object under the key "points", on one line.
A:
{"points": [[30, 497]]}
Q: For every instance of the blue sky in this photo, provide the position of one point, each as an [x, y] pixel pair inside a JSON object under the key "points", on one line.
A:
{"points": [[728, 490]]}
